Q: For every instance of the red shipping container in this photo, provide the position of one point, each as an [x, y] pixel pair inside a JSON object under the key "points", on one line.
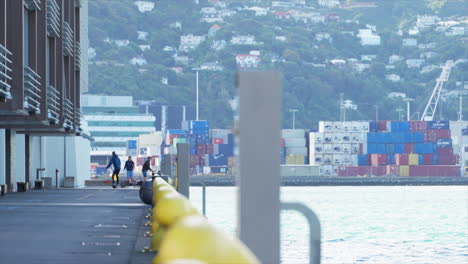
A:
{"points": [[209, 149], [445, 152], [409, 148], [282, 142], [434, 171], [430, 136], [201, 149], [428, 159], [417, 126], [361, 148], [441, 133], [378, 159], [218, 141], [393, 170], [401, 159], [379, 171], [448, 159], [382, 125]]}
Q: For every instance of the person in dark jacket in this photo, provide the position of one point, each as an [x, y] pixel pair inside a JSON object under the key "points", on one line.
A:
{"points": [[129, 166], [146, 168], [115, 162]]}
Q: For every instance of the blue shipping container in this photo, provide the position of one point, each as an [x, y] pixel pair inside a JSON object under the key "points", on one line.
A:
{"points": [[218, 160], [373, 126], [438, 125], [465, 132], [417, 137], [226, 149], [391, 159], [381, 149], [199, 125], [176, 131], [389, 148], [444, 143], [363, 160], [230, 139], [435, 159], [372, 137], [400, 148]]}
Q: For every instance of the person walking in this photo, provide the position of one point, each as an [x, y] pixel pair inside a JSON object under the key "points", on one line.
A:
{"points": [[129, 166], [115, 162], [146, 168]]}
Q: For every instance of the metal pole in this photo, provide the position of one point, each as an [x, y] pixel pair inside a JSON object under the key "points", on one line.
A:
{"points": [[204, 198], [294, 119], [197, 116], [460, 114], [258, 176], [376, 112]]}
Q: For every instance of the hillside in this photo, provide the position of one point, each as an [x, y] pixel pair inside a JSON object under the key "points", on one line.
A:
{"points": [[319, 50]]}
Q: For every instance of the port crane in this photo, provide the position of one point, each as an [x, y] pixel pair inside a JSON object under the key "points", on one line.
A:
{"points": [[431, 107]]}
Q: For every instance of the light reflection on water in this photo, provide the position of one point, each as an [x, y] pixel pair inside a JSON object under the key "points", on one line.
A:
{"points": [[391, 224]]}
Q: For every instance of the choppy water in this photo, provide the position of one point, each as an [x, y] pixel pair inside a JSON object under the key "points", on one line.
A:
{"points": [[401, 224]]}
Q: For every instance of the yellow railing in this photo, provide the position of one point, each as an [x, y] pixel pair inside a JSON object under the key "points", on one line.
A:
{"points": [[181, 234]]}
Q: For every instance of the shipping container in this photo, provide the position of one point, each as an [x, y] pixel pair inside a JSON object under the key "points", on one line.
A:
{"points": [[435, 171], [296, 151], [199, 124], [417, 126], [315, 138], [392, 170], [409, 148], [295, 142], [413, 159], [401, 159], [354, 149], [391, 160], [293, 133], [327, 171], [399, 148], [363, 160], [378, 159], [448, 159], [327, 148], [316, 160], [346, 148], [438, 125], [337, 148], [382, 126], [373, 126], [299, 170], [218, 141], [325, 126], [390, 149], [327, 159], [428, 159], [404, 171], [444, 143]]}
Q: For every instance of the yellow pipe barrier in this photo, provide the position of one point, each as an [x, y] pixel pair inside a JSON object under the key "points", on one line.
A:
{"points": [[182, 235]]}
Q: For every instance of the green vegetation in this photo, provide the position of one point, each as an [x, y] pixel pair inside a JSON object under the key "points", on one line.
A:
{"points": [[311, 89]]}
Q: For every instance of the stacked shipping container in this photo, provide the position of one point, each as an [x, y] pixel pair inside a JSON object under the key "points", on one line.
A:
{"points": [[293, 147], [406, 149], [337, 144]]}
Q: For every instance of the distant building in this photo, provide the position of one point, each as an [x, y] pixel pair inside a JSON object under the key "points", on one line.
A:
{"points": [[218, 44], [414, 63], [368, 38], [426, 21], [396, 95], [176, 25], [394, 58], [456, 31], [138, 61], [211, 66], [410, 42], [144, 6], [122, 42], [393, 77], [248, 60], [177, 70], [213, 29], [190, 42], [329, 3], [368, 57], [142, 35], [112, 122], [281, 38], [323, 36], [211, 18], [243, 40], [259, 11], [181, 59], [413, 31], [144, 48]]}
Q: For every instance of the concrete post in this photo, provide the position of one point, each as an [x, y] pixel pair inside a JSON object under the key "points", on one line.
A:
{"points": [[259, 173], [10, 164], [183, 168], [166, 167], [2, 157]]}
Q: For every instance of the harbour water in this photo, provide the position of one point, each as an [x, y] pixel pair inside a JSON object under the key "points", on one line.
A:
{"points": [[389, 224]]}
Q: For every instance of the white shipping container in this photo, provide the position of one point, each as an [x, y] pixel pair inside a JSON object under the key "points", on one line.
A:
{"points": [[295, 142], [364, 148], [328, 148], [346, 126], [337, 148], [364, 126], [325, 126], [206, 170], [346, 148], [316, 159], [299, 170], [337, 159], [346, 138], [296, 151], [456, 127], [327, 159], [328, 137], [464, 140], [293, 133], [346, 160], [354, 149], [327, 171], [316, 149], [337, 126], [337, 137], [315, 138]]}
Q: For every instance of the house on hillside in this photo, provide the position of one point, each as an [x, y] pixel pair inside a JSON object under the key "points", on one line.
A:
{"points": [[394, 95], [393, 77], [259, 11], [138, 61], [142, 35], [244, 40], [212, 66], [424, 21], [455, 31], [281, 38], [144, 6], [410, 42], [368, 57], [176, 25], [144, 48], [211, 18], [213, 29], [323, 36], [248, 60], [307, 17], [122, 42], [329, 3], [368, 37], [190, 42], [282, 14], [208, 10], [177, 70], [414, 63], [183, 60]]}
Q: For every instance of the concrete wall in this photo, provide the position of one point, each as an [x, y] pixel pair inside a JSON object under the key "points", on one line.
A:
{"points": [[2, 156]]}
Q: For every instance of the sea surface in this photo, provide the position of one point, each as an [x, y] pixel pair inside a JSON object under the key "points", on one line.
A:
{"points": [[391, 224]]}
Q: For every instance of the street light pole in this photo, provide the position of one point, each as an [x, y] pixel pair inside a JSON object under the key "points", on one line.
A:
{"points": [[294, 117], [408, 101], [197, 101], [376, 112]]}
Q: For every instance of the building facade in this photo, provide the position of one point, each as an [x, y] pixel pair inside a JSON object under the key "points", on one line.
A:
{"points": [[112, 121], [42, 73]]}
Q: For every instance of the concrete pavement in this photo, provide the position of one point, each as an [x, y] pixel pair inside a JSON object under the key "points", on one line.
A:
{"points": [[70, 226]]}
